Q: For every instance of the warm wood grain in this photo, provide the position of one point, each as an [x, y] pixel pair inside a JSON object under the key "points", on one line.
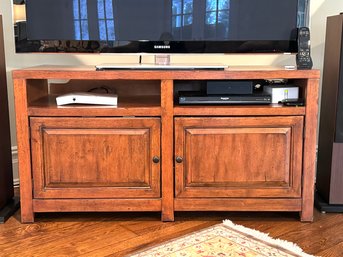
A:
{"points": [[238, 157], [24, 156], [95, 158], [120, 234], [96, 205], [127, 106], [277, 160], [237, 204], [167, 150], [238, 110], [36, 89], [86, 73], [309, 152], [121, 87]]}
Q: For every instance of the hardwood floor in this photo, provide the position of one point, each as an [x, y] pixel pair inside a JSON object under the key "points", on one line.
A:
{"points": [[119, 234]]}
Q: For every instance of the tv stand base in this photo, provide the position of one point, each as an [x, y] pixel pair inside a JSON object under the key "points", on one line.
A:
{"points": [[152, 154]]}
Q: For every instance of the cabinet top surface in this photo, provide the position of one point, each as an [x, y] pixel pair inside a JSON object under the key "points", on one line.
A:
{"points": [[232, 72]]}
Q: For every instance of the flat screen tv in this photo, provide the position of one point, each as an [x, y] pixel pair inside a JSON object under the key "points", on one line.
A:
{"points": [[163, 26]]}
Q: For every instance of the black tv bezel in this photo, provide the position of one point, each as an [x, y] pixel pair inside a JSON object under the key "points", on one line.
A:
{"points": [[157, 47], [23, 45]]}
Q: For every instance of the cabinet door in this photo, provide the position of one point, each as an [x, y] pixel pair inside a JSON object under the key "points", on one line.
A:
{"points": [[95, 157], [238, 157]]}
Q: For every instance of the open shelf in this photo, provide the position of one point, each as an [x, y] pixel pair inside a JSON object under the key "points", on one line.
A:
{"points": [[127, 106], [240, 110]]}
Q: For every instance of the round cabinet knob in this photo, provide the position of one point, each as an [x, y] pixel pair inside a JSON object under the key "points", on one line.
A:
{"points": [[178, 159], [156, 159]]}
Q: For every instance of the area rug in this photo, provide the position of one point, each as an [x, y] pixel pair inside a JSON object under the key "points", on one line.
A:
{"points": [[226, 239]]}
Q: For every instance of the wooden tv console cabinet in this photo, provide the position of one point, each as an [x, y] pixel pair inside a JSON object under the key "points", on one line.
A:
{"points": [[151, 154]]}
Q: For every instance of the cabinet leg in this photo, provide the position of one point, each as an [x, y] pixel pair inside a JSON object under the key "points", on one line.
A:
{"points": [[167, 216], [27, 218], [26, 208], [306, 216], [27, 214]]}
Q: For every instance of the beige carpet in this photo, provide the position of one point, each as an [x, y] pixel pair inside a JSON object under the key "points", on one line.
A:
{"points": [[226, 239]]}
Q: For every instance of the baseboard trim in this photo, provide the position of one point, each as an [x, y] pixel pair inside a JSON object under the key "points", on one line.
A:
{"points": [[16, 182], [14, 150]]}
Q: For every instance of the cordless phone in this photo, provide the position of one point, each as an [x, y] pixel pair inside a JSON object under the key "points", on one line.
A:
{"points": [[303, 58]]}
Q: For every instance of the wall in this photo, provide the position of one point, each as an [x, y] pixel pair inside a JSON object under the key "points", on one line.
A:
{"points": [[319, 9]]}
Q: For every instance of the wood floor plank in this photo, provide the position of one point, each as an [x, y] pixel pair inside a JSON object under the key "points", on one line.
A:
{"points": [[334, 251], [71, 240], [119, 234], [311, 237], [150, 239], [318, 236]]}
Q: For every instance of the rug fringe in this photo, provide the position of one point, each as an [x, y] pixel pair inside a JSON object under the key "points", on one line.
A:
{"points": [[265, 237]]}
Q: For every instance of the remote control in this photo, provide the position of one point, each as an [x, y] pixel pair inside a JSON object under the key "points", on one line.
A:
{"points": [[303, 58]]}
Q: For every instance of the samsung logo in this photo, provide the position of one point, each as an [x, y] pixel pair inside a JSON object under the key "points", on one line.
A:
{"points": [[161, 47]]}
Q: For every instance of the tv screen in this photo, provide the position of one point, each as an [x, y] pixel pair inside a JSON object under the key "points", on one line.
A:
{"points": [[165, 26]]}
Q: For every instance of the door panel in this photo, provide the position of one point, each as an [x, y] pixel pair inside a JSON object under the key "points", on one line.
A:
{"points": [[238, 157], [95, 157]]}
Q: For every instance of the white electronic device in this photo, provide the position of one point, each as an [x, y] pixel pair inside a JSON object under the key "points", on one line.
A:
{"points": [[281, 92], [87, 98]]}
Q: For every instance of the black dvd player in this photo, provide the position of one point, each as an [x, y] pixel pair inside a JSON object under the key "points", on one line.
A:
{"points": [[188, 97]]}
